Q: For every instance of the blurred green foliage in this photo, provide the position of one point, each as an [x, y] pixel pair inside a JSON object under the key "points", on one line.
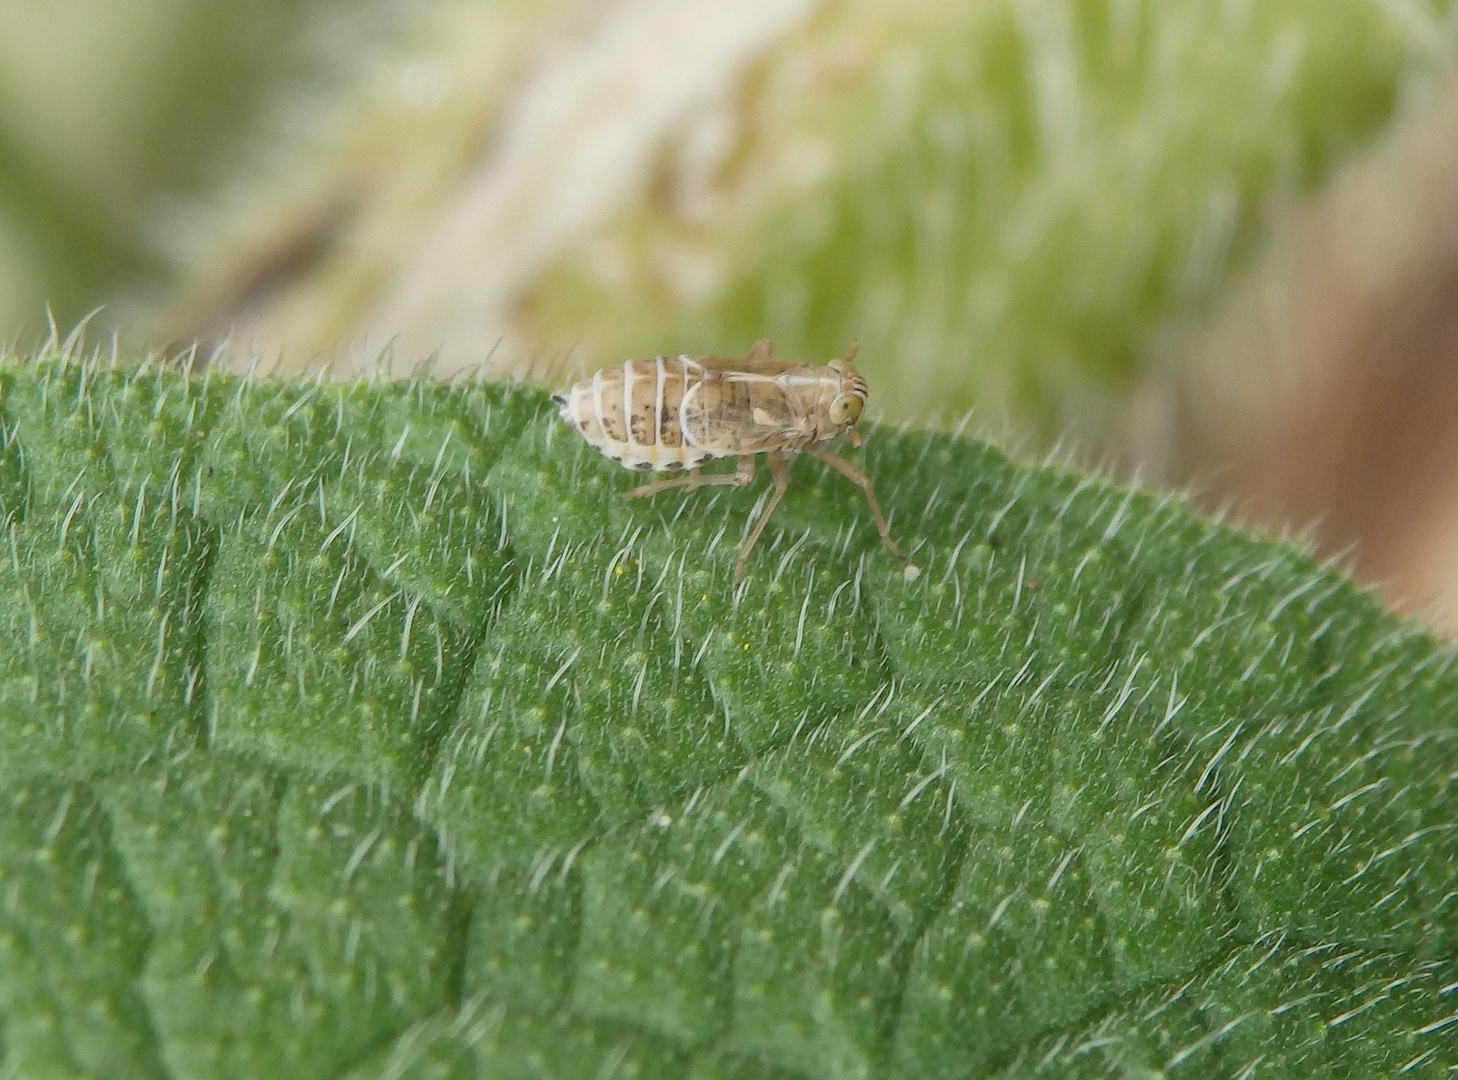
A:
{"points": [[1005, 202], [105, 110], [1009, 204]]}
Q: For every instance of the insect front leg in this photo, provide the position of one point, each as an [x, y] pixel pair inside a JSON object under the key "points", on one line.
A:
{"points": [[742, 476], [781, 476], [862, 481]]}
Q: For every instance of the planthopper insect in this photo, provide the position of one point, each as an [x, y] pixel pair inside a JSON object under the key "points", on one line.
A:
{"points": [[663, 415]]}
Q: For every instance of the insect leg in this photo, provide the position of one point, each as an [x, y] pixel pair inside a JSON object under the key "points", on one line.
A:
{"points": [[781, 476], [742, 476], [862, 481], [691, 481]]}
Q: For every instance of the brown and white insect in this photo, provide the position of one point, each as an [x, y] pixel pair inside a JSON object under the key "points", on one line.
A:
{"points": [[667, 414]]}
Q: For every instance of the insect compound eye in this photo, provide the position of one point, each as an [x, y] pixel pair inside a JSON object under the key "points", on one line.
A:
{"points": [[845, 409]]}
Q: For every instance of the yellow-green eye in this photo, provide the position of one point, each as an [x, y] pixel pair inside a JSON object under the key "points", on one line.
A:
{"points": [[845, 409]]}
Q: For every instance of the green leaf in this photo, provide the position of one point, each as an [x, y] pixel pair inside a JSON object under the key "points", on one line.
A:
{"points": [[364, 730]]}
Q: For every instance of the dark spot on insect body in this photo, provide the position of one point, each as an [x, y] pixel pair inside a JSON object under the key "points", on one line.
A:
{"points": [[558, 400], [674, 466], [644, 466], [641, 427]]}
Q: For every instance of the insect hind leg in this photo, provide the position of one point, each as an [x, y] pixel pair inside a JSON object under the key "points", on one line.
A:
{"points": [[742, 476]]}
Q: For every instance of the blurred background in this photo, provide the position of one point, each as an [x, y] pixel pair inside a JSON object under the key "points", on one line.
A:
{"points": [[1210, 245]]}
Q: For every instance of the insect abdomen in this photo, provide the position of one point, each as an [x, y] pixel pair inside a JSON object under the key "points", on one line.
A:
{"points": [[631, 413]]}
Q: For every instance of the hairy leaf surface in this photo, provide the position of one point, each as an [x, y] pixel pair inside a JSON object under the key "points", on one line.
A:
{"points": [[363, 730]]}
